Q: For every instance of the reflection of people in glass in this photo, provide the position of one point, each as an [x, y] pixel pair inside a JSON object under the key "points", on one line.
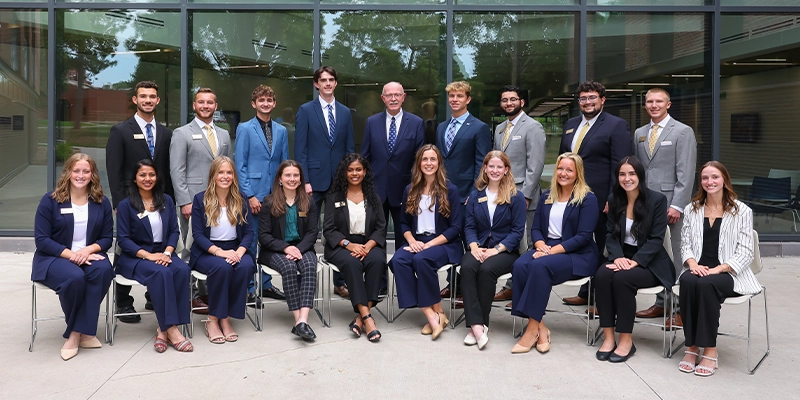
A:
{"points": [[717, 250], [429, 111], [223, 231], [355, 236], [563, 249], [74, 228]]}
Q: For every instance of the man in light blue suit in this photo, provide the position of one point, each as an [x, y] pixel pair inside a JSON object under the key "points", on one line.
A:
{"points": [[261, 145]]}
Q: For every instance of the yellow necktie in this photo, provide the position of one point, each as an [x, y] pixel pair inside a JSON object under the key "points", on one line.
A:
{"points": [[212, 140], [581, 135], [651, 143], [506, 134]]}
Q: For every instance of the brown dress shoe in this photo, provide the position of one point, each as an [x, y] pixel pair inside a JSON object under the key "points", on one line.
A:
{"points": [[508, 306], [575, 301], [199, 303], [459, 303], [674, 323], [445, 293], [652, 312], [503, 295], [341, 291]]}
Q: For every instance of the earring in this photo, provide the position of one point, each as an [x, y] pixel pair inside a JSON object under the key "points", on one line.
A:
{"points": [[280, 183]]}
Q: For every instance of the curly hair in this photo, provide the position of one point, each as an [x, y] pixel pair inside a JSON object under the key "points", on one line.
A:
{"points": [[234, 200], [579, 190], [302, 199], [340, 182], [438, 189], [592, 86], [95, 189], [508, 188], [728, 195]]}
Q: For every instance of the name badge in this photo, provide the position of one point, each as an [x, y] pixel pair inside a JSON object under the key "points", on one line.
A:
{"points": [[516, 137], [197, 136], [66, 211], [641, 138], [302, 214], [141, 215], [138, 136], [666, 143], [548, 201], [339, 204], [482, 199], [569, 131]]}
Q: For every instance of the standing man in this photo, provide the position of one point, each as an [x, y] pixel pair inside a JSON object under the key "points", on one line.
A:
{"points": [[464, 141], [323, 135], [262, 144], [523, 140], [194, 146], [668, 151], [391, 141], [601, 139], [135, 139]]}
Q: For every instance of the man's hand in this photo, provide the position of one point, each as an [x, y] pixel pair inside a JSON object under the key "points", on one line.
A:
{"points": [[673, 215], [186, 210], [308, 188], [255, 205]]}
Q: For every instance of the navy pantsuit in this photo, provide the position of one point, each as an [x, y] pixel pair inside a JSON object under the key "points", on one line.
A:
{"points": [[535, 277], [227, 284], [80, 289], [168, 285]]}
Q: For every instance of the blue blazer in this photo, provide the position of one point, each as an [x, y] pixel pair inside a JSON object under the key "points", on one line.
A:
{"points": [[450, 227], [201, 232], [312, 149], [256, 163], [576, 232], [507, 226], [392, 170], [53, 230], [134, 233], [606, 142], [463, 163]]}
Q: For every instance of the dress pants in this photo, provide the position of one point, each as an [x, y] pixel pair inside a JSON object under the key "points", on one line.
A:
{"points": [[616, 295], [227, 284], [478, 284], [363, 277], [298, 288], [416, 274], [600, 239], [701, 299], [80, 291], [266, 279], [169, 289], [395, 212], [319, 200], [534, 279], [464, 244], [675, 239]]}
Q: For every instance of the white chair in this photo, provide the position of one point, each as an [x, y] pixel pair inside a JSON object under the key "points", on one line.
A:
{"points": [[328, 296], [443, 268], [592, 329], [113, 314], [319, 301], [461, 318], [199, 276], [35, 319]]}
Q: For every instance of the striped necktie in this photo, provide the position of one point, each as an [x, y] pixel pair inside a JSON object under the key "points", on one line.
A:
{"points": [[331, 123], [651, 143]]}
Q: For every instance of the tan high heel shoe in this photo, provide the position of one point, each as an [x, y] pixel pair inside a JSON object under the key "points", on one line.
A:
{"points": [[520, 349], [543, 347]]}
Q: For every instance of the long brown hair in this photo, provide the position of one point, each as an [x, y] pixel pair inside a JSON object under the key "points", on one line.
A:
{"points": [[302, 199], [95, 190], [234, 200], [508, 188], [728, 195], [579, 190], [438, 189]]}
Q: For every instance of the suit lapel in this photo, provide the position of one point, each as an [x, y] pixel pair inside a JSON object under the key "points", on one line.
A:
{"points": [[136, 130], [594, 128], [662, 135], [93, 211], [385, 134], [368, 208], [322, 116], [462, 131], [195, 130], [499, 212], [483, 205], [567, 210], [282, 225], [724, 228], [341, 112], [161, 141], [262, 138], [164, 225], [146, 222], [69, 219]]}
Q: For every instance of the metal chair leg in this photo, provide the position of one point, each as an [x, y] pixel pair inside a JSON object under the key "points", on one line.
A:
{"points": [[34, 316]]}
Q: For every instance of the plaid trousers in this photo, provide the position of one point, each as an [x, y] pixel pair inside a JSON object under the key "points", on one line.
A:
{"points": [[298, 287]]}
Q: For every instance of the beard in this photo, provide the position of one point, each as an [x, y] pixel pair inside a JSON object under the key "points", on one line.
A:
{"points": [[590, 115], [514, 112]]}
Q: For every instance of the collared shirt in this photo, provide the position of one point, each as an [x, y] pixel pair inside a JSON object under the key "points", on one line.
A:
{"points": [[324, 105], [460, 123], [142, 125], [266, 128], [584, 121], [397, 119], [202, 126], [514, 123]]}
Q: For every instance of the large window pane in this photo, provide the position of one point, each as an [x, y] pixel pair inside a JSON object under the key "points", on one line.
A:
{"points": [[23, 116], [650, 2], [519, 2], [760, 81], [759, 3], [382, 1]]}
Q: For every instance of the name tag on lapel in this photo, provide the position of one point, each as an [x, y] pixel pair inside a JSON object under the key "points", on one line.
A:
{"points": [[666, 143], [482, 199], [197, 136], [140, 215], [339, 204], [302, 214], [516, 137], [642, 138], [548, 201], [66, 211], [138, 136], [569, 131]]}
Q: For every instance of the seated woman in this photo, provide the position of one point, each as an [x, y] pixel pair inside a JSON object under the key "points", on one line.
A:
{"points": [[147, 232], [716, 249], [222, 229], [494, 227], [355, 234], [562, 231], [637, 222], [287, 231], [74, 228], [431, 225]]}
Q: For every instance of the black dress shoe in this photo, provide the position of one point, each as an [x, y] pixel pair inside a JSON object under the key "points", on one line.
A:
{"points": [[273, 293], [254, 302], [304, 331], [603, 355], [128, 319], [148, 305], [616, 358]]}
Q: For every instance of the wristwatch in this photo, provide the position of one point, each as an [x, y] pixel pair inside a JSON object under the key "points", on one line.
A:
{"points": [[168, 253], [498, 248], [345, 243]]}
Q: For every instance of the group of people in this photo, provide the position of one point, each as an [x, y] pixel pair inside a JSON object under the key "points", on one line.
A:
{"points": [[470, 198]]}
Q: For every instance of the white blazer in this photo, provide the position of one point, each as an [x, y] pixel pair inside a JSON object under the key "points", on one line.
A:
{"points": [[735, 244]]}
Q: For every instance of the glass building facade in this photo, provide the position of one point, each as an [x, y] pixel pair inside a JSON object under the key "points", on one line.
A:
{"points": [[67, 69]]}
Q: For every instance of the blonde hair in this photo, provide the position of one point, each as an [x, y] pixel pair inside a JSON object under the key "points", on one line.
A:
{"points": [[95, 190], [459, 86], [579, 190], [508, 188], [657, 90], [438, 188], [234, 200]]}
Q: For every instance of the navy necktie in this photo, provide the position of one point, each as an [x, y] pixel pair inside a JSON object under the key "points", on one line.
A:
{"points": [[451, 134], [331, 123], [392, 135], [151, 142]]}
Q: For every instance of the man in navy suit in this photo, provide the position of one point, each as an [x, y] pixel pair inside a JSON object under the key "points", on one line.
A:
{"points": [[601, 139], [323, 135], [391, 141], [464, 141], [134, 139]]}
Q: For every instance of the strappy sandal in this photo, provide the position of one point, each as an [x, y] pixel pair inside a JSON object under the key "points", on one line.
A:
{"points": [[232, 337], [216, 339], [686, 366], [702, 370], [374, 335], [184, 346], [160, 344], [354, 327]]}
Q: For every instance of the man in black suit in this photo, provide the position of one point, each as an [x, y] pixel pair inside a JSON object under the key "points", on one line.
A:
{"points": [[134, 139], [601, 139]]}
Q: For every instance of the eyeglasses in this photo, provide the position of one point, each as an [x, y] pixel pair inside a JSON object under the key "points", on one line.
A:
{"points": [[393, 95], [511, 100], [587, 99]]}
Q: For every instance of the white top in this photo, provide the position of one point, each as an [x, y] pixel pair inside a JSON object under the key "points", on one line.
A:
{"points": [[426, 220], [556, 221], [397, 119], [81, 216], [324, 105], [224, 230], [358, 217], [143, 125], [156, 225], [584, 121], [490, 202], [630, 240]]}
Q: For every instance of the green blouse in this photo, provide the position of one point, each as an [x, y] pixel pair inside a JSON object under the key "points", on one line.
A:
{"points": [[291, 234]]}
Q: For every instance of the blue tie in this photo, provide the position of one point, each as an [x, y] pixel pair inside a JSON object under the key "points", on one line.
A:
{"points": [[392, 135], [151, 142], [331, 123], [451, 134]]}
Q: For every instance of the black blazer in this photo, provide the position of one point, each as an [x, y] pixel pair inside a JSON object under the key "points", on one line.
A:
{"points": [[651, 253], [125, 148], [271, 230], [336, 224]]}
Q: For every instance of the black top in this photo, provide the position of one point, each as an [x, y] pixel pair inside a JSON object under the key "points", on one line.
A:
{"points": [[710, 255]]}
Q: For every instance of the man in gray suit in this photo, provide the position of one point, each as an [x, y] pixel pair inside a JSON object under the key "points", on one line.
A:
{"points": [[191, 151], [668, 151], [522, 138]]}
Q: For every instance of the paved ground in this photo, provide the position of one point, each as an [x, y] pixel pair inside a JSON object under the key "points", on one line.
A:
{"points": [[274, 364]]}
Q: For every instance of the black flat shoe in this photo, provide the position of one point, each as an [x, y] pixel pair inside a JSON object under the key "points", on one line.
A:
{"points": [[603, 355], [304, 331], [128, 319], [616, 358]]}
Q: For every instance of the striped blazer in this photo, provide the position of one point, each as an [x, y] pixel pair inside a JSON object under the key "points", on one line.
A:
{"points": [[735, 244]]}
